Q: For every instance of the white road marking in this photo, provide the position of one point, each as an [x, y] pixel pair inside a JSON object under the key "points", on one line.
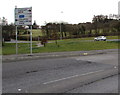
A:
{"points": [[19, 89], [71, 77], [92, 72]]}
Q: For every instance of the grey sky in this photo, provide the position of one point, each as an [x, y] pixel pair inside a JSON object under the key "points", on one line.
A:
{"points": [[71, 11]]}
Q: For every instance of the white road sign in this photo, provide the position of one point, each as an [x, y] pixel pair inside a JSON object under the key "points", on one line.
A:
{"points": [[23, 16]]}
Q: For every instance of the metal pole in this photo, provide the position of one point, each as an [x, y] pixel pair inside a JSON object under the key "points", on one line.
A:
{"points": [[31, 41], [16, 32], [1, 33], [61, 28], [16, 41], [60, 32]]}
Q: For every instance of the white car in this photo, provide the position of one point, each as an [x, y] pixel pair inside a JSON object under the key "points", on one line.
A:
{"points": [[100, 38]]}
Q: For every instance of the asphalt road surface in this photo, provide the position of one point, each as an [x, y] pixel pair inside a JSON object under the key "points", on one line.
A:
{"points": [[60, 75], [107, 85], [14, 41]]}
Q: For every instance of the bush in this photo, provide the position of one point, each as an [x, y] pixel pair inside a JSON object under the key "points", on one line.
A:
{"points": [[44, 41], [26, 32]]}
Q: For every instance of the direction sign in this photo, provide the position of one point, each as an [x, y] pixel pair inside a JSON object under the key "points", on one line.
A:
{"points": [[23, 16]]}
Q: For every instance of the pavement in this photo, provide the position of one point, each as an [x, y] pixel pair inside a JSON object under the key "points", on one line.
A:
{"points": [[20, 57]]}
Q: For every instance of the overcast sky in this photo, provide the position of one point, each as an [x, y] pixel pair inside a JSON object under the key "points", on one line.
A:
{"points": [[71, 11]]}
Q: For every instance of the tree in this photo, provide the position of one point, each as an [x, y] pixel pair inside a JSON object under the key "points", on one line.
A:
{"points": [[82, 30], [54, 30], [8, 31], [35, 26], [51, 30], [98, 22], [63, 29], [117, 27], [4, 21], [44, 41]]}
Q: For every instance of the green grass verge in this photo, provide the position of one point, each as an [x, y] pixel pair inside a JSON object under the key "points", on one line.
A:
{"points": [[68, 45]]}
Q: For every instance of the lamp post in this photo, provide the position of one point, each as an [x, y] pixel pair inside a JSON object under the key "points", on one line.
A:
{"points": [[61, 28], [60, 32], [1, 39]]}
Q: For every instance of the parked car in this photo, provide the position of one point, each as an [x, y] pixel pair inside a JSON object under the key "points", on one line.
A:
{"points": [[100, 38]]}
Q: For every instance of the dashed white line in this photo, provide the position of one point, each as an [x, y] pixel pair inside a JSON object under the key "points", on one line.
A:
{"points": [[71, 77], [60, 79]]}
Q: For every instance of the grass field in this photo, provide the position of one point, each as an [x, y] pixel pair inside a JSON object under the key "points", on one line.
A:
{"points": [[35, 33], [65, 45]]}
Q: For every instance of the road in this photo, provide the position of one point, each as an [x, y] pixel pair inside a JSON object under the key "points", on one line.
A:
{"points": [[58, 75], [14, 41], [107, 85]]}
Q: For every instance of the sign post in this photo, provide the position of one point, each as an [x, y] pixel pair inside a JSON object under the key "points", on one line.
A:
{"points": [[16, 41], [23, 16], [31, 41]]}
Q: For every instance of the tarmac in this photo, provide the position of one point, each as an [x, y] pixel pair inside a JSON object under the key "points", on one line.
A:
{"points": [[34, 56]]}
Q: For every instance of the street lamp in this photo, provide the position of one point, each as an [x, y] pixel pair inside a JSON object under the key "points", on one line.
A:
{"points": [[1, 33], [61, 29]]}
